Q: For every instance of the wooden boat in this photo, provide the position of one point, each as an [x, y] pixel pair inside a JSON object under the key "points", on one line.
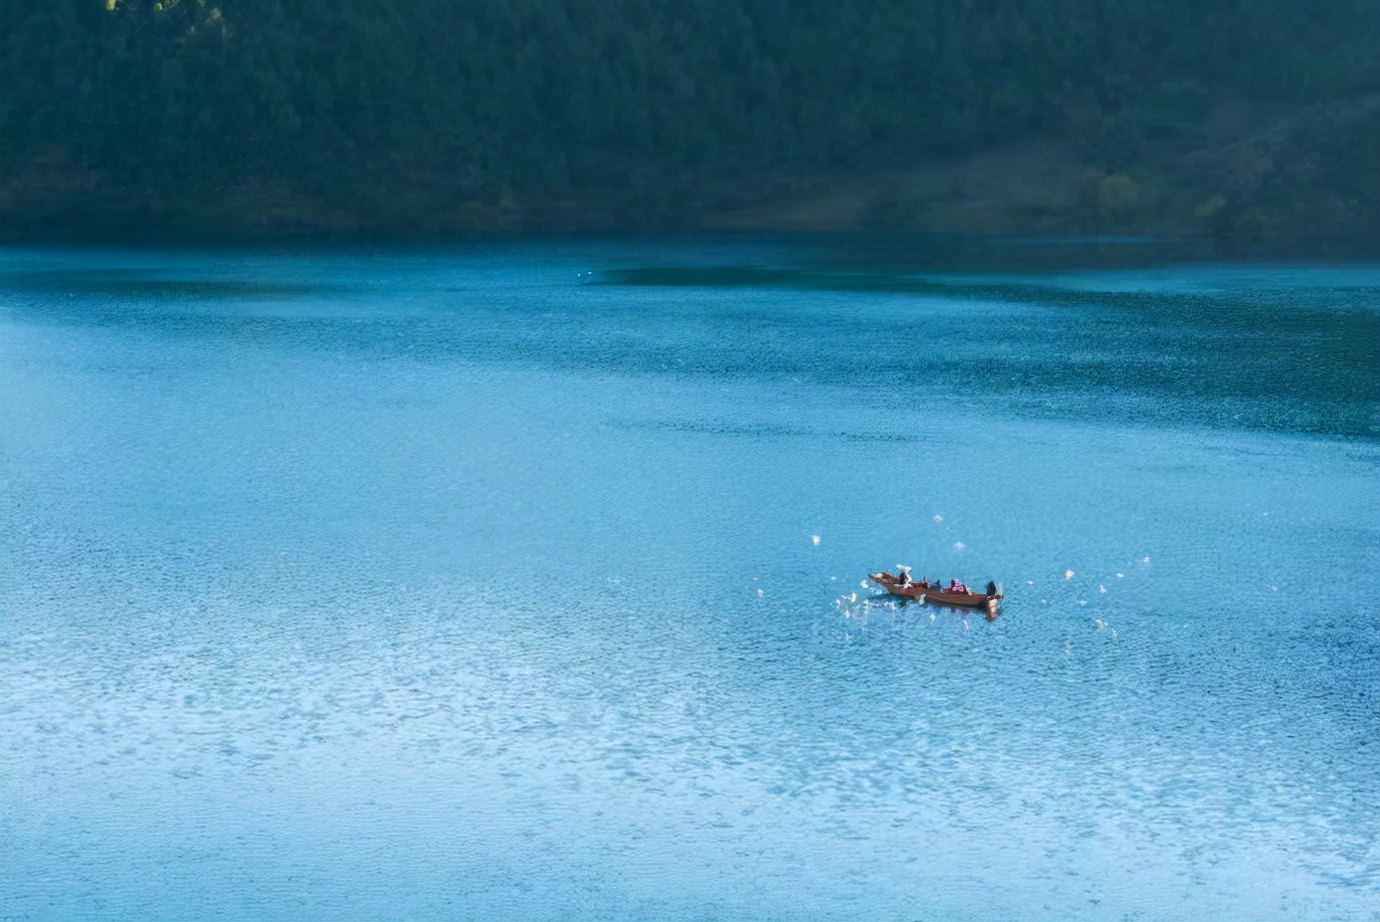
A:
{"points": [[989, 601]]}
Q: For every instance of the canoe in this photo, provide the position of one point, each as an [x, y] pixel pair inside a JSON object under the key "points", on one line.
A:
{"points": [[888, 581]]}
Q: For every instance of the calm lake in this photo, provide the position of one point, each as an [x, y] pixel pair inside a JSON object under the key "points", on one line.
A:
{"points": [[524, 582]]}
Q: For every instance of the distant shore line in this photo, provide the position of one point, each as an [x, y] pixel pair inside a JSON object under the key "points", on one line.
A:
{"points": [[966, 248]]}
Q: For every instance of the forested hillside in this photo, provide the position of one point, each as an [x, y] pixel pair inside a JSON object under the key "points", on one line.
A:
{"points": [[1230, 117]]}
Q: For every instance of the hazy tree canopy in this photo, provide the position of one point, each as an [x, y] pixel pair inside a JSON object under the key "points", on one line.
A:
{"points": [[604, 113]]}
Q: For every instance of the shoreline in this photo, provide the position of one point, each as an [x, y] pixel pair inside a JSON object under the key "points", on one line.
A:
{"points": [[937, 248]]}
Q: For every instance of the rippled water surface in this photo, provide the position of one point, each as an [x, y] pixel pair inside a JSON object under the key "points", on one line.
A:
{"points": [[483, 583]]}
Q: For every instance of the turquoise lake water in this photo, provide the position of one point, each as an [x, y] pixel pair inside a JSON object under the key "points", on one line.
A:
{"points": [[484, 583]]}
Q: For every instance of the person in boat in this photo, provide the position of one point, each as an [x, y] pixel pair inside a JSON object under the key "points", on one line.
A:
{"points": [[904, 577]]}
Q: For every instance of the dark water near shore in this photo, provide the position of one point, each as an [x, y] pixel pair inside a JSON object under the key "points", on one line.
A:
{"points": [[484, 583]]}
